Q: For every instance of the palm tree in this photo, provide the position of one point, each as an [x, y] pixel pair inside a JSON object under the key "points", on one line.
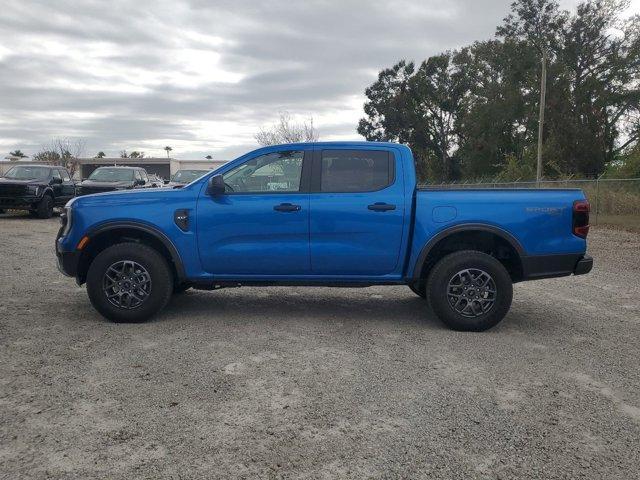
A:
{"points": [[17, 153], [168, 149]]}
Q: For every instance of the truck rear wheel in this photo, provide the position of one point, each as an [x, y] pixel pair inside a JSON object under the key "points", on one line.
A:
{"points": [[129, 282], [469, 291]]}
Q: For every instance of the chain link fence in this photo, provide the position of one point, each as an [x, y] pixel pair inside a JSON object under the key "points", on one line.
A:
{"points": [[614, 201]]}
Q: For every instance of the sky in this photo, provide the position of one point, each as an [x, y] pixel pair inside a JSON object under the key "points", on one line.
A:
{"points": [[203, 76]]}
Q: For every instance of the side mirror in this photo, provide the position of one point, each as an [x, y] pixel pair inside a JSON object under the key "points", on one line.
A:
{"points": [[56, 181], [216, 185], [140, 182]]}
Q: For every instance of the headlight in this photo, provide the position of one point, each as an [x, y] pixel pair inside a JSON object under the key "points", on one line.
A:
{"points": [[33, 190], [66, 219]]}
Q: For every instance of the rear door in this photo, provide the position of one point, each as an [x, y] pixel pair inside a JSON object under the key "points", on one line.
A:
{"points": [[356, 212], [260, 226]]}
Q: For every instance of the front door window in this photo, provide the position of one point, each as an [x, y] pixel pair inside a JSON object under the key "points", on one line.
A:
{"points": [[273, 173]]}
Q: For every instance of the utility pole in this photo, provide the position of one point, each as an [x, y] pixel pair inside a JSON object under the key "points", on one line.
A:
{"points": [[543, 92]]}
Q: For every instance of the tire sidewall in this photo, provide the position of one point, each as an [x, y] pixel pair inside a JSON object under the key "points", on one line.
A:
{"points": [[444, 271], [45, 207], [153, 262]]}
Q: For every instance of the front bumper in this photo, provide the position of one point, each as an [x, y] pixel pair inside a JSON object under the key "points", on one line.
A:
{"points": [[19, 202], [548, 266], [68, 262]]}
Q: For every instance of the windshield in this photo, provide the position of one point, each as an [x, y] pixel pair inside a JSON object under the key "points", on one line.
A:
{"points": [[188, 176], [28, 173], [111, 175]]}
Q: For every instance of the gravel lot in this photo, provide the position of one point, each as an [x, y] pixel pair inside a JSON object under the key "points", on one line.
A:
{"points": [[318, 382]]}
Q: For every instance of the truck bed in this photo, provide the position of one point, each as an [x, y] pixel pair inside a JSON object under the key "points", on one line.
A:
{"points": [[540, 219]]}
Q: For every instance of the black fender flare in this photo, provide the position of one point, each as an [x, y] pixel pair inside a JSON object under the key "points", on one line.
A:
{"points": [[464, 227], [148, 229]]}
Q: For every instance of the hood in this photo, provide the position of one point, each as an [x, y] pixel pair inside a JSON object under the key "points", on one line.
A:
{"points": [[92, 183], [12, 181]]}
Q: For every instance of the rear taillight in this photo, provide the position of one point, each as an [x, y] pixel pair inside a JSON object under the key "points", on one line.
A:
{"points": [[581, 210]]}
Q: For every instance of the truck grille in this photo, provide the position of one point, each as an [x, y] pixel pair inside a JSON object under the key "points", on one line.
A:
{"points": [[11, 190]]}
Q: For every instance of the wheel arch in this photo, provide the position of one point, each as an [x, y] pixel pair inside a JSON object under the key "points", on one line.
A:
{"points": [[105, 235], [472, 236]]}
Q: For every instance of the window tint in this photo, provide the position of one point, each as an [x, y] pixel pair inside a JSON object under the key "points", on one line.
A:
{"points": [[273, 172], [355, 170], [65, 175]]}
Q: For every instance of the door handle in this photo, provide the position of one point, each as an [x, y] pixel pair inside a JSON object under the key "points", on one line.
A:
{"points": [[381, 207], [287, 207]]}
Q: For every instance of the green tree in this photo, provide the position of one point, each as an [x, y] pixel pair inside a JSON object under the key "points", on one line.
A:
{"points": [[476, 109], [18, 154], [100, 155], [419, 107]]}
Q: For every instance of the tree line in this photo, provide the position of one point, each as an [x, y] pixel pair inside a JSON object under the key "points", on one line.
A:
{"points": [[473, 112]]}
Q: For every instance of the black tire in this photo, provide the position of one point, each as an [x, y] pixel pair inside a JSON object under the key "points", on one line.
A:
{"points": [[441, 294], [157, 269], [45, 207], [179, 288], [419, 288]]}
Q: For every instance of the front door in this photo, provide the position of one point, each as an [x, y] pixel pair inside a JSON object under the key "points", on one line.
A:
{"points": [[357, 212], [260, 226], [68, 187]]}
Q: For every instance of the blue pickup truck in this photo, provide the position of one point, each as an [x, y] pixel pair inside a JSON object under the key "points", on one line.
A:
{"points": [[331, 214]]}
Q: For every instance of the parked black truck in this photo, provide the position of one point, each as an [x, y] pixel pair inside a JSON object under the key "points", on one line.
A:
{"points": [[108, 179], [37, 188]]}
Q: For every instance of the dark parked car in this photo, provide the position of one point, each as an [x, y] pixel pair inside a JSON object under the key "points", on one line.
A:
{"points": [[108, 179], [37, 188], [183, 177]]}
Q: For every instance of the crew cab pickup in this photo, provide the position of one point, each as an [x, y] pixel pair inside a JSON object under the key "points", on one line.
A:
{"points": [[331, 214], [109, 179], [37, 188]]}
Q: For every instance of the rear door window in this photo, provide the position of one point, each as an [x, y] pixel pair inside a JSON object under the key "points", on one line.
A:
{"points": [[355, 170]]}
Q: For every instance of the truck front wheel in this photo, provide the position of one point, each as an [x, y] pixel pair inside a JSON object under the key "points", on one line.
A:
{"points": [[45, 207], [469, 291], [129, 282], [419, 288]]}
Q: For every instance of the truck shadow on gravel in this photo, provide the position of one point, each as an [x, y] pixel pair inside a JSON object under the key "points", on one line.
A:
{"points": [[332, 306], [327, 307]]}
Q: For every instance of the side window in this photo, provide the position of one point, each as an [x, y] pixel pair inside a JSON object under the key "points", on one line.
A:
{"points": [[136, 175], [144, 175], [55, 173], [273, 172], [356, 170], [65, 176]]}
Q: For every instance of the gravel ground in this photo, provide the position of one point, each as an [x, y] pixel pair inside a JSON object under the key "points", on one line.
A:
{"points": [[318, 382]]}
